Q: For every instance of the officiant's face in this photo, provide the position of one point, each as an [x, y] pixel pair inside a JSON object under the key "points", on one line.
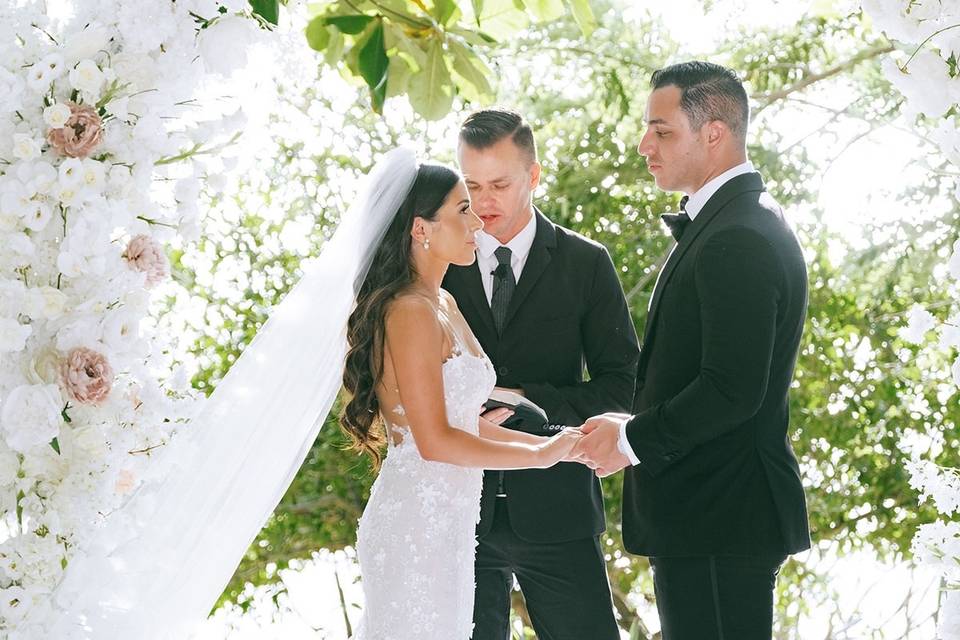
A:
{"points": [[501, 179], [674, 152]]}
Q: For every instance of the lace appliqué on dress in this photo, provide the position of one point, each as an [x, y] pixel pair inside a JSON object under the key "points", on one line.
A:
{"points": [[417, 536]]}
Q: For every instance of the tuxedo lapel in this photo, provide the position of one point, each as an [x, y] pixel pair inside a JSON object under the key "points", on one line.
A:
{"points": [[476, 296], [733, 188], [537, 261]]}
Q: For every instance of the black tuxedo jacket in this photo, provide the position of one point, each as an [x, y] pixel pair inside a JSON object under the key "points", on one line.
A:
{"points": [[717, 474], [568, 311]]}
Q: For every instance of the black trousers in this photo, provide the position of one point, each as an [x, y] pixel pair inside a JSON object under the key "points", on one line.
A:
{"points": [[716, 597], [564, 584]]}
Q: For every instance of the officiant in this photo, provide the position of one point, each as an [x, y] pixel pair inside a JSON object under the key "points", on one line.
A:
{"points": [[547, 308]]}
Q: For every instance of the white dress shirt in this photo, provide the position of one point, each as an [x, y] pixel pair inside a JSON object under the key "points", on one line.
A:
{"points": [[694, 205], [519, 247]]}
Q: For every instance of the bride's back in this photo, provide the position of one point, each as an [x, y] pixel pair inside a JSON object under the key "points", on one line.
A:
{"points": [[456, 340]]}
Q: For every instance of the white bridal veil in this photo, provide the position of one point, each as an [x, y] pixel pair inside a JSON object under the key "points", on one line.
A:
{"points": [[181, 539]]}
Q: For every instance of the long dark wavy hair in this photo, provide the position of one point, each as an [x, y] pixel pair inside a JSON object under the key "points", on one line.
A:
{"points": [[391, 271]]}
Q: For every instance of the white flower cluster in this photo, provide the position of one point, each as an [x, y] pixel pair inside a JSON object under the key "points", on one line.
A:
{"points": [[924, 70], [99, 172], [927, 33]]}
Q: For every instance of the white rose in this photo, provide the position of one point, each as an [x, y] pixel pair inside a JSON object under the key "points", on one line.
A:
{"points": [[92, 175], [70, 172], [30, 416], [121, 329], [86, 76], [46, 302], [67, 195], [56, 115], [949, 625], [224, 44], [13, 335], [25, 147], [38, 215]]}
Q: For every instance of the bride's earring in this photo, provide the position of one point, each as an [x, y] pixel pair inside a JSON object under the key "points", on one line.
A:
{"points": [[426, 244]]}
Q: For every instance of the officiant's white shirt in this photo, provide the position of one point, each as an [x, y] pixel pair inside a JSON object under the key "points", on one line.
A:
{"points": [[694, 206], [519, 248]]}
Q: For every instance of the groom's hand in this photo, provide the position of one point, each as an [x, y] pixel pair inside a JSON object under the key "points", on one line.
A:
{"points": [[599, 448]]}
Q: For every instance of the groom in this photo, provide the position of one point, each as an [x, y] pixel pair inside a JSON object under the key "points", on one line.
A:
{"points": [[712, 491], [544, 303]]}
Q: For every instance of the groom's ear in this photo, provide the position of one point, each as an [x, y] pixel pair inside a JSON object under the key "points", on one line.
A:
{"points": [[534, 175], [715, 131]]}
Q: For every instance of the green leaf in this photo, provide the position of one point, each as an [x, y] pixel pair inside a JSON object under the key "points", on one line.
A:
{"points": [[472, 69], [503, 18], [350, 25], [444, 11], [398, 76], [545, 10], [477, 9], [269, 10], [55, 445], [334, 49], [398, 38], [372, 64], [430, 90], [318, 35], [583, 14], [65, 415]]}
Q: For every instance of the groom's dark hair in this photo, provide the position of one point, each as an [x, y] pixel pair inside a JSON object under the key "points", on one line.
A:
{"points": [[487, 127], [707, 92]]}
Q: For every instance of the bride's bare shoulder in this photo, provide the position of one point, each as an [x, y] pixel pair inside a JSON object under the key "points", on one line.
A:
{"points": [[410, 308]]}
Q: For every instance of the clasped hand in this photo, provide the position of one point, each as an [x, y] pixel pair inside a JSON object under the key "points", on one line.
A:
{"points": [[598, 448]]}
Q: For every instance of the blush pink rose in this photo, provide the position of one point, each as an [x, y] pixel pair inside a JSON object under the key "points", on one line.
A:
{"points": [[81, 133], [145, 254], [87, 376]]}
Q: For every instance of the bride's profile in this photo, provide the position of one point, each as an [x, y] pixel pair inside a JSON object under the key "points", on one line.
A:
{"points": [[417, 379]]}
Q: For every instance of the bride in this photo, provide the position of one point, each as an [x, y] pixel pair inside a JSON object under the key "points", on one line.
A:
{"points": [[371, 299], [415, 367]]}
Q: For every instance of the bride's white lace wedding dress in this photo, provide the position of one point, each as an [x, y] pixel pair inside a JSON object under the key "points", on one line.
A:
{"points": [[416, 539]]}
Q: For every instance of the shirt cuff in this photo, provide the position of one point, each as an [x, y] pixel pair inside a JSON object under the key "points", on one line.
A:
{"points": [[624, 445]]}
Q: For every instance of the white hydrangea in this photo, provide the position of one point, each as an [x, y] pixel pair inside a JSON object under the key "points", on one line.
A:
{"points": [[30, 416]]}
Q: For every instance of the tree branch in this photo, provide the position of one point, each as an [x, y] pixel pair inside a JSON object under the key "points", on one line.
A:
{"points": [[769, 98]]}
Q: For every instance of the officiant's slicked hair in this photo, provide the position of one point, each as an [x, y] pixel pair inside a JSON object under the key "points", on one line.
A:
{"points": [[707, 92], [487, 127]]}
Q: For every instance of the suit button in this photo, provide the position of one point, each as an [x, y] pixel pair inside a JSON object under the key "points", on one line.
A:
{"points": [[503, 371]]}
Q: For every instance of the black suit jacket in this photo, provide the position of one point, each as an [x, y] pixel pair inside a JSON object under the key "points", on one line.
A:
{"points": [[567, 311], [717, 474]]}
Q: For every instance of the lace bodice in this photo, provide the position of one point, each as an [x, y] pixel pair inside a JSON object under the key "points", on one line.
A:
{"points": [[416, 538]]}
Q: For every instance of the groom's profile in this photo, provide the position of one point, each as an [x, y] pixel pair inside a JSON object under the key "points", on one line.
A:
{"points": [[712, 491], [544, 303]]}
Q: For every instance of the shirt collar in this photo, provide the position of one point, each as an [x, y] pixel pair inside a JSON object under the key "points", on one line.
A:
{"points": [[519, 246], [700, 198]]}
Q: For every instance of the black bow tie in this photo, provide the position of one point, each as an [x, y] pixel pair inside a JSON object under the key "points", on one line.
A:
{"points": [[677, 222]]}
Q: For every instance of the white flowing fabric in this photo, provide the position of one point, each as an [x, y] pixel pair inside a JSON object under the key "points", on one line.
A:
{"points": [[182, 539]]}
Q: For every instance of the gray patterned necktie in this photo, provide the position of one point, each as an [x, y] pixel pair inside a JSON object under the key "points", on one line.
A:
{"points": [[504, 283]]}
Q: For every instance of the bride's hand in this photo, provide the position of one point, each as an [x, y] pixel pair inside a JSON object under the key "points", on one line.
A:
{"points": [[558, 448]]}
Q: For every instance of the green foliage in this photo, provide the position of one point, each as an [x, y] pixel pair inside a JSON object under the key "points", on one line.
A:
{"points": [[269, 10], [428, 51]]}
